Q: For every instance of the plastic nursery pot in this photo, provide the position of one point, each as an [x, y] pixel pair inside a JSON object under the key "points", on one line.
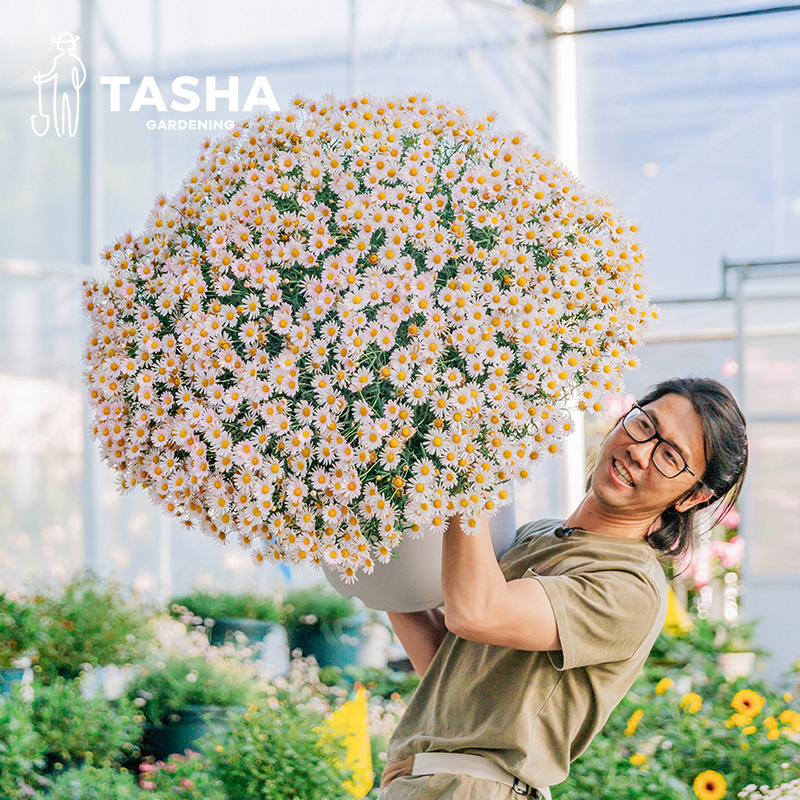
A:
{"points": [[9, 678], [224, 630], [184, 728], [334, 644], [412, 580]]}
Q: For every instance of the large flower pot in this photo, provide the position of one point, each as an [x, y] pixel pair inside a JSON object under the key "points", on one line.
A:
{"points": [[225, 629], [184, 728], [334, 644], [412, 580], [736, 665]]}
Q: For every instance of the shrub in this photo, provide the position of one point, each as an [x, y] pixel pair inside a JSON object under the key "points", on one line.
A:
{"points": [[21, 748], [86, 621], [75, 728], [223, 605], [166, 686], [316, 605], [185, 776], [278, 753], [95, 783]]}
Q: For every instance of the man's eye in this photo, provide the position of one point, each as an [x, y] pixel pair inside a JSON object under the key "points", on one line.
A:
{"points": [[672, 456]]}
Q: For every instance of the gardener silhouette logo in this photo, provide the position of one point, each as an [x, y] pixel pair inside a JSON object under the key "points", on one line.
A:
{"points": [[67, 75]]}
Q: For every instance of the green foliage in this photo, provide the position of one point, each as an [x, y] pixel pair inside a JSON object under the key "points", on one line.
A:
{"points": [[681, 718], [185, 776], [75, 728], [86, 621], [21, 748], [95, 783], [166, 686], [317, 605], [278, 754], [17, 634], [223, 605], [385, 683]]}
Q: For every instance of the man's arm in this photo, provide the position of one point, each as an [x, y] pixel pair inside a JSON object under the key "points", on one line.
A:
{"points": [[481, 606], [421, 633]]}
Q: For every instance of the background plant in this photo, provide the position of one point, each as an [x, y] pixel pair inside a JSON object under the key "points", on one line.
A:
{"points": [[680, 720], [17, 635], [164, 686], [185, 776], [316, 605], [76, 728], [90, 782], [86, 620], [278, 753], [22, 749], [219, 605]]}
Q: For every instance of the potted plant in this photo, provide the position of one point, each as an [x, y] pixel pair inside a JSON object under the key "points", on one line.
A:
{"points": [[188, 776], [183, 697], [249, 613], [275, 753], [76, 729], [86, 620], [324, 624], [16, 641]]}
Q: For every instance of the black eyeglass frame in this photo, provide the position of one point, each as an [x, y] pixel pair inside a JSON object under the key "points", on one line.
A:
{"points": [[659, 439]]}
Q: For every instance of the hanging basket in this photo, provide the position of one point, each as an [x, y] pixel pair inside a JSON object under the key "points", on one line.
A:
{"points": [[412, 580]]}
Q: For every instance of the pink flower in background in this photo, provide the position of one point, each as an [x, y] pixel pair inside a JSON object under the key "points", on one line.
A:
{"points": [[730, 518], [731, 553], [618, 405], [700, 567], [730, 367]]}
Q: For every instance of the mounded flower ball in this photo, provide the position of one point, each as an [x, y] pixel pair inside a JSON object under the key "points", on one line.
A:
{"points": [[354, 319]]}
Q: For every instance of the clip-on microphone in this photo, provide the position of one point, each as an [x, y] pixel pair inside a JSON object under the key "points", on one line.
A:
{"points": [[562, 531]]}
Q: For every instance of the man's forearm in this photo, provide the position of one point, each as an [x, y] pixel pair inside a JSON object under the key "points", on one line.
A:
{"points": [[421, 633]]}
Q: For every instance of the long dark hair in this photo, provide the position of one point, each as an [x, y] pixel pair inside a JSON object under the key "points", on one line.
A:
{"points": [[725, 447]]}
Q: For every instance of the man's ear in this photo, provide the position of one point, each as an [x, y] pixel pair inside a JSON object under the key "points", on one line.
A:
{"points": [[699, 495]]}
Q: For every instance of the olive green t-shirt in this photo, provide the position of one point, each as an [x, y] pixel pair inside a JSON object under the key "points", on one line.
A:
{"points": [[535, 712]]}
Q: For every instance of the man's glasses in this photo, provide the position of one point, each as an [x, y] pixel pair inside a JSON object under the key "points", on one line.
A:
{"points": [[666, 457]]}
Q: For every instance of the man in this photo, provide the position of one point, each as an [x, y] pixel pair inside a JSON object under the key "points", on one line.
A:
{"points": [[531, 654]]}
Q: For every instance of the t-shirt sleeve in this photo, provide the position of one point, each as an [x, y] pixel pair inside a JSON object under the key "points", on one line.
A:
{"points": [[602, 616]]}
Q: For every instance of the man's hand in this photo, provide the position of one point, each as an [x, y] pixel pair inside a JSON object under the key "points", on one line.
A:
{"points": [[421, 633]]}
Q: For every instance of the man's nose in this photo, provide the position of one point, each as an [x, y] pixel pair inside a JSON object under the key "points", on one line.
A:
{"points": [[642, 452]]}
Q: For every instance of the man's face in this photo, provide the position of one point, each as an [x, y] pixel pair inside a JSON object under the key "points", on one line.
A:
{"points": [[625, 478]]}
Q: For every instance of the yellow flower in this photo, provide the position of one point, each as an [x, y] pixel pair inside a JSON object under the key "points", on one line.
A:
{"points": [[638, 759], [788, 697], [747, 702], [737, 719], [691, 702], [790, 717], [633, 722], [663, 685], [750, 729], [709, 785]]}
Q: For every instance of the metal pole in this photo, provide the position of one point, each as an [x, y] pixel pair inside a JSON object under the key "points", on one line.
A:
{"points": [[744, 498], [565, 145], [565, 90], [354, 67], [89, 235]]}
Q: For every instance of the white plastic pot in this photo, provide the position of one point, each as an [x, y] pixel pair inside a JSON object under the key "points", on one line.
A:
{"points": [[412, 580]]}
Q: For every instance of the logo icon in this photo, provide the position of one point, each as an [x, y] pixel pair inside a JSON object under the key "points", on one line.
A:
{"points": [[67, 76]]}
